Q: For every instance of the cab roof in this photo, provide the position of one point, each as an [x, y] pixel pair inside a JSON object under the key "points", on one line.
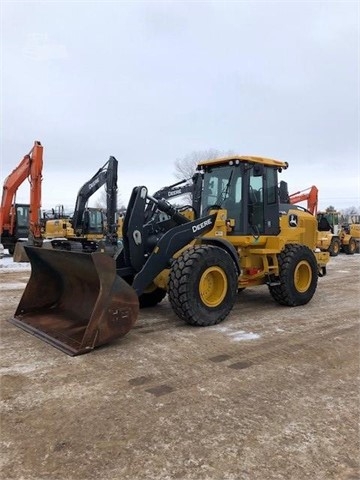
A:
{"points": [[244, 158]]}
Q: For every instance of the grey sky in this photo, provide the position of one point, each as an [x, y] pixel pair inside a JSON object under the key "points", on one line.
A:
{"points": [[150, 82]]}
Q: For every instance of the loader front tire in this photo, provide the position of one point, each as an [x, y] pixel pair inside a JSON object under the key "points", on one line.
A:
{"points": [[203, 285], [350, 248], [298, 275], [334, 247]]}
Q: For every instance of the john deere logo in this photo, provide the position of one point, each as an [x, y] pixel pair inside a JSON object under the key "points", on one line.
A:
{"points": [[200, 226], [293, 220]]}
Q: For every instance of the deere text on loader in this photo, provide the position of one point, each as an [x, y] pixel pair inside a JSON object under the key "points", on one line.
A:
{"points": [[240, 237]]}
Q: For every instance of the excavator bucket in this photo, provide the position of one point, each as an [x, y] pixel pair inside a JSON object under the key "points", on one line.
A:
{"points": [[19, 252], [75, 301]]}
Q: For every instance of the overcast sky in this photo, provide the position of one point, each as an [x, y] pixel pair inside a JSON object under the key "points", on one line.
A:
{"points": [[151, 82]]}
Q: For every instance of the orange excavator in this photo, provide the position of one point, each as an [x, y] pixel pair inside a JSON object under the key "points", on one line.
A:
{"points": [[308, 194], [18, 220], [328, 239]]}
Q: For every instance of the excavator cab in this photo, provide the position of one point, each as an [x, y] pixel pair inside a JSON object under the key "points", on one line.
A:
{"points": [[19, 218], [93, 222]]}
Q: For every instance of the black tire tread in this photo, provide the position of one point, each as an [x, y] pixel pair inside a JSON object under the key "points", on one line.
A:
{"points": [[334, 252], [183, 300], [348, 249], [285, 294]]}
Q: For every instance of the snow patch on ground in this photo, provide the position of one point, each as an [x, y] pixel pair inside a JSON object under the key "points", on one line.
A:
{"points": [[238, 335], [22, 369], [7, 264], [12, 286], [242, 335]]}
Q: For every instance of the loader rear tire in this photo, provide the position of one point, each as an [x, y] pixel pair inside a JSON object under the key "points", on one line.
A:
{"points": [[203, 285], [350, 248], [334, 247], [150, 299], [298, 275]]}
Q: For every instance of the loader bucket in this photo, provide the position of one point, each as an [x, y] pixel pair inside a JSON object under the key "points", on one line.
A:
{"points": [[75, 301]]}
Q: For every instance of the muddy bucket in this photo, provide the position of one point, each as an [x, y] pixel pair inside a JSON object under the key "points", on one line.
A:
{"points": [[75, 301]]}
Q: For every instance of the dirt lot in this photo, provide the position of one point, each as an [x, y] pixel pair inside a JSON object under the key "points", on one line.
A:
{"points": [[271, 393]]}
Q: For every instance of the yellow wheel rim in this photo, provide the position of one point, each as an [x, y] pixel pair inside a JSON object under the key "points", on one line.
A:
{"points": [[336, 247], [213, 286], [302, 276]]}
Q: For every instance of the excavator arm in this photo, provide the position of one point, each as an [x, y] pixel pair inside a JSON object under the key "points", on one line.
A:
{"points": [[106, 175], [308, 194], [30, 167]]}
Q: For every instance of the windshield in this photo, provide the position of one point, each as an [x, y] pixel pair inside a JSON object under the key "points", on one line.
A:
{"points": [[220, 184], [22, 215], [96, 221]]}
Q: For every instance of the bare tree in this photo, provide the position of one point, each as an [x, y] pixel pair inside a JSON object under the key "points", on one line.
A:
{"points": [[100, 201], [351, 211], [330, 208], [350, 215], [185, 167]]}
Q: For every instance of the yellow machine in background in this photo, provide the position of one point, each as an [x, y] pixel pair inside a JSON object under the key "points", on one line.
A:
{"points": [[62, 234], [333, 235], [336, 235], [88, 229], [328, 234], [350, 238]]}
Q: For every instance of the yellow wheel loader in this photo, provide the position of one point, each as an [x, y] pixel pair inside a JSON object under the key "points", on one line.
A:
{"points": [[235, 235], [350, 238], [336, 238]]}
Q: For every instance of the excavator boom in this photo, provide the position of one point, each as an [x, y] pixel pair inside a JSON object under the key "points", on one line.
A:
{"points": [[29, 168], [106, 175], [86, 229], [308, 194]]}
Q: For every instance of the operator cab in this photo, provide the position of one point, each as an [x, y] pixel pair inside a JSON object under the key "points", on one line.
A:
{"points": [[22, 220], [249, 193], [93, 221]]}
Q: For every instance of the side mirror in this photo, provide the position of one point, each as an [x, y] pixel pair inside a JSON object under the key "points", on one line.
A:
{"points": [[258, 170]]}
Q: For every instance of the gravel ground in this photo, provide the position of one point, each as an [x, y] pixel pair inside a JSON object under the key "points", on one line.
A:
{"points": [[270, 393]]}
